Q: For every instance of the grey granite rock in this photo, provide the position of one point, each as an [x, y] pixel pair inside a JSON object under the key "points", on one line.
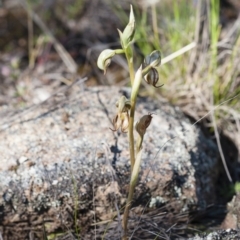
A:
{"points": [[61, 166], [229, 234]]}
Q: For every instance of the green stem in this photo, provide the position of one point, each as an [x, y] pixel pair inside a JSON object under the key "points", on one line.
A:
{"points": [[126, 210], [130, 134], [119, 51], [135, 166], [133, 183], [129, 56]]}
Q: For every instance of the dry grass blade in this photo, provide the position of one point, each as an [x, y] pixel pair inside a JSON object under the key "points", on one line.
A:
{"points": [[219, 146], [65, 56], [178, 53]]}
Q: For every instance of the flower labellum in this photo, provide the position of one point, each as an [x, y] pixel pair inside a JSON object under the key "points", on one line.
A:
{"points": [[151, 62], [105, 58], [123, 104], [121, 119], [152, 78]]}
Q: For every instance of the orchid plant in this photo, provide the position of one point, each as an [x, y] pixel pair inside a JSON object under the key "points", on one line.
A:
{"points": [[124, 118]]}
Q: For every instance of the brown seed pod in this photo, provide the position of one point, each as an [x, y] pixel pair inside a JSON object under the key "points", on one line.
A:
{"points": [[143, 124]]}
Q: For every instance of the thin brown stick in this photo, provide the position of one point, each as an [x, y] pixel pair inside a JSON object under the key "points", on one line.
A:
{"points": [[65, 56], [30, 37], [219, 144]]}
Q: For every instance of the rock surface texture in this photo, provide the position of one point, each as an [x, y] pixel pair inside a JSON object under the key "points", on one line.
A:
{"points": [[232, 219], [229, 234], [63, 170]]}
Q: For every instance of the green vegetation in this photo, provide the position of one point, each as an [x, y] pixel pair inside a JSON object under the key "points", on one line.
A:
{"points": [[124, 118], [203, 77], [199, 79], [205, 80]]}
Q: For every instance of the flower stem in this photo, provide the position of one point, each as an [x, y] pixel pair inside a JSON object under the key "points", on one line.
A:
{"points": [[134, 165], [131, 136], [133, 182], [126, 211], [129, 56]]}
